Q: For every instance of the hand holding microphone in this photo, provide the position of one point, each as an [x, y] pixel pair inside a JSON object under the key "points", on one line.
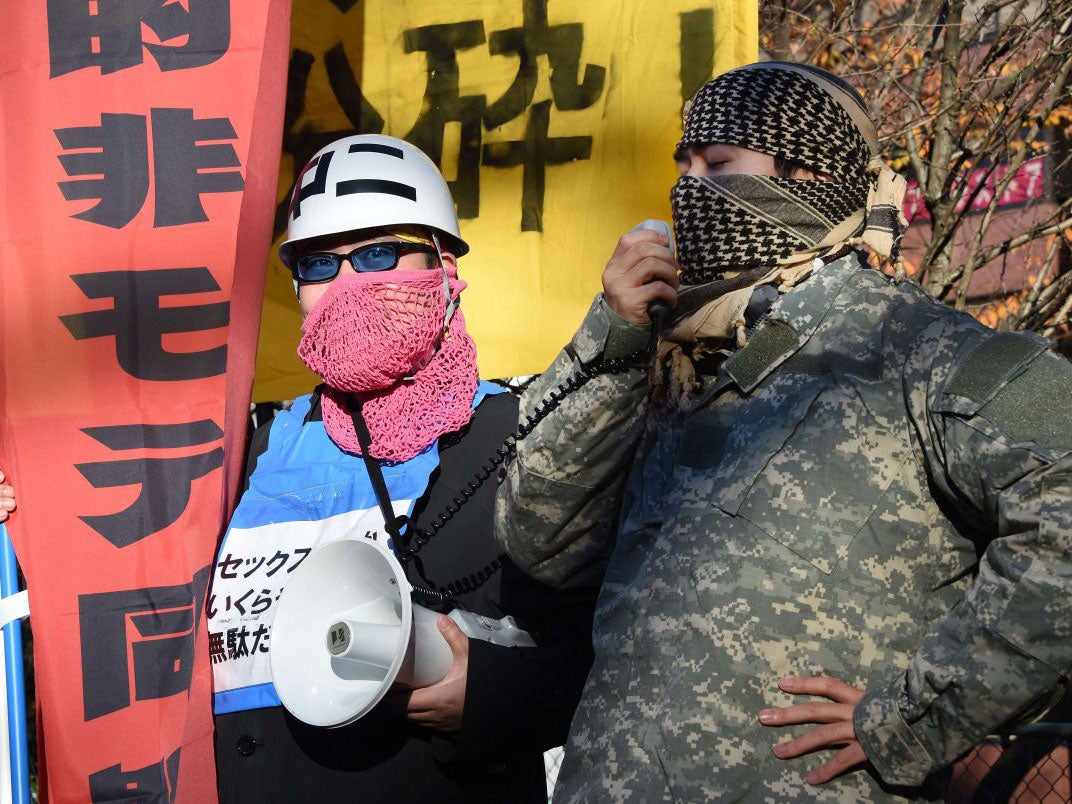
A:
{"points": [[658, 309], [640, 280]]}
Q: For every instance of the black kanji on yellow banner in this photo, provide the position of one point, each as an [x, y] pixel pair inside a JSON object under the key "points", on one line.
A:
{"points": [[553, 122]]}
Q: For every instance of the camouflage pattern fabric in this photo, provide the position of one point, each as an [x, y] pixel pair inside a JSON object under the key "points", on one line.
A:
{"points": [[876, 488]]}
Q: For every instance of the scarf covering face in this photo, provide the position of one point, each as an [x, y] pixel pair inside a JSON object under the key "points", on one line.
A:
{"points": [[801, 114], [378, 338]]}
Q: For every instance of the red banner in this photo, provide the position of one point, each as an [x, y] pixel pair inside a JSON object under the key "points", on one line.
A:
{"points": [[139, 162]]}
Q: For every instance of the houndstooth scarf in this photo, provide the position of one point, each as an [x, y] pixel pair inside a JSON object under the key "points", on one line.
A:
{"points": [[804, 115], [738, 232]]}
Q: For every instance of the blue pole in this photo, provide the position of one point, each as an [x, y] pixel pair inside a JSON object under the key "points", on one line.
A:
{"points": [[16, 692]]}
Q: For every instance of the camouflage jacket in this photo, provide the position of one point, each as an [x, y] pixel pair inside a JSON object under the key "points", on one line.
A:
{"points": [[875, 488]]}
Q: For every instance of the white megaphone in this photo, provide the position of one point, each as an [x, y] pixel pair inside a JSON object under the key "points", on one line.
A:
{"points": [[345, 630]]}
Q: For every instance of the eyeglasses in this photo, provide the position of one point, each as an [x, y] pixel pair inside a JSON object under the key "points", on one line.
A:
{"points": [[323, 265]]}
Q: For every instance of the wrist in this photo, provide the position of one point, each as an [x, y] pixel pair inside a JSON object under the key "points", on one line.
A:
{"points": [[606, 334]]}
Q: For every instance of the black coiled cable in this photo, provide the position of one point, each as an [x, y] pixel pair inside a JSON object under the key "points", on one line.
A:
{"points": [[416, 538]]}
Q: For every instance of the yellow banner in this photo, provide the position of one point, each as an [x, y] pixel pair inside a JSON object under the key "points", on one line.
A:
{"points": [[554, 123]]}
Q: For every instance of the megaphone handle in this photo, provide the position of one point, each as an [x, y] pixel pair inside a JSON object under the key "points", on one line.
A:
{"points": [[498, 632]]}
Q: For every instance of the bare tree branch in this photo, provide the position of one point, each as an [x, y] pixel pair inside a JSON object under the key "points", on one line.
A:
{"points": [[1027, 237], [965, 93]]}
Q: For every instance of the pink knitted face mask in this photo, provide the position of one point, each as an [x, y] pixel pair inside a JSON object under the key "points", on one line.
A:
{"points": [[379, 337]]}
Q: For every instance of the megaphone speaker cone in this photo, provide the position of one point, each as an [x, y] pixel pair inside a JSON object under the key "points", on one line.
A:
{"points": [[341, 632]]}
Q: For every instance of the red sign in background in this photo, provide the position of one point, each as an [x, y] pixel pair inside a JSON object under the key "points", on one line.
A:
{"points": [[1028, 184], [139, 163]]}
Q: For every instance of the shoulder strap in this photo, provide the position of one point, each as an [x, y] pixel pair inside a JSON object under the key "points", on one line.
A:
{"points": [[394, 524]]}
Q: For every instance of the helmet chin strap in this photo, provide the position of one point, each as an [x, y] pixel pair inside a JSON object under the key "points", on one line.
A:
{"points": [[452, 304]]}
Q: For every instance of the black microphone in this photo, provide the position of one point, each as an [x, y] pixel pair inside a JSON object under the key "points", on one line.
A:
{"points": [[658, 309]]}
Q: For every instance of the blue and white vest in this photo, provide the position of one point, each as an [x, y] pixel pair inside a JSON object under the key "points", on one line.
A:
{"points": [[304, 492]]}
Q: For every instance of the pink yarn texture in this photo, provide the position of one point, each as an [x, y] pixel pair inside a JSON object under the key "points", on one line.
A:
{"points": [[378, 338]]}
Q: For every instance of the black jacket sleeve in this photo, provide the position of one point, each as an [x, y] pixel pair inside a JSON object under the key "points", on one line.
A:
{"points": [[517, 699]]}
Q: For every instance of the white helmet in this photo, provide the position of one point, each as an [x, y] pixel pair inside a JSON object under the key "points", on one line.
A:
{"points": [[370, 181]]}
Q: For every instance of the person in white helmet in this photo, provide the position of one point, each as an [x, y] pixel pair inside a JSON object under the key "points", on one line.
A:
{"points": [[373, 242]]}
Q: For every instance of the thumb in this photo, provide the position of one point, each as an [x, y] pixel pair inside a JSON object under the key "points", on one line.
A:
{"points": [[456, 638]]}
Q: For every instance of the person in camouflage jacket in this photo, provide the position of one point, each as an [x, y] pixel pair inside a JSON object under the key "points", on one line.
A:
{"points": [[869, 501]]}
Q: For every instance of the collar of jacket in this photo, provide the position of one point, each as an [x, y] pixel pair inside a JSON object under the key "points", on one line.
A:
{"points": [[792, 320]]}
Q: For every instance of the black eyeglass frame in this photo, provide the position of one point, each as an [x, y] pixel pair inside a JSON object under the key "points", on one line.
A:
{"points": [[400, 248]]}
